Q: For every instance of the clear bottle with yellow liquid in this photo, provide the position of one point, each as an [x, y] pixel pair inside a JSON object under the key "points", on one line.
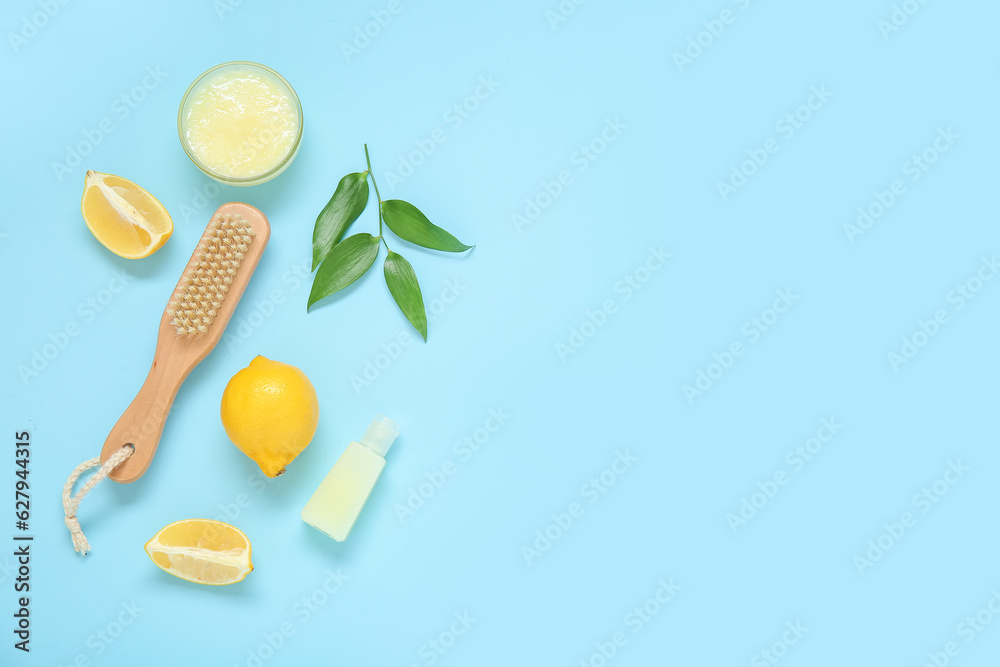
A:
{"points": [[338, 501]]}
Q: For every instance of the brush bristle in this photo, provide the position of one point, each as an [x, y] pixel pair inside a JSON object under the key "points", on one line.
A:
{"points": [[204, 286]]}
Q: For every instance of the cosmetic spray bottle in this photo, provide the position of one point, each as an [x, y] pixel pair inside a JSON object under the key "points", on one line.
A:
{"points": [[335, 506]]}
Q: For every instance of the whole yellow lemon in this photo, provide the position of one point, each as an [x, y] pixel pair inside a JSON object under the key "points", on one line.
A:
{"points": [[270, 411]]}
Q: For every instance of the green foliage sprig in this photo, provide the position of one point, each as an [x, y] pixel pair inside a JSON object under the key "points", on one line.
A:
{"points": [[341, 262]]}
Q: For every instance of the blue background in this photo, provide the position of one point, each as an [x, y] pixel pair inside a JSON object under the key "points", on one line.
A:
{"points": [[497, 345]]}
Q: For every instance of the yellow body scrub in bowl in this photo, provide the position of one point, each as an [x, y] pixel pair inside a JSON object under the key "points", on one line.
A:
{"points": [[240, 123]]}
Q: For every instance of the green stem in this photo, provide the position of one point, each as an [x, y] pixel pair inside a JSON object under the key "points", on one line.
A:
{"points": [[377, 196]]}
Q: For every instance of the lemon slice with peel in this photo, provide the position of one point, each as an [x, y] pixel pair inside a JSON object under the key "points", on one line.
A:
{"points": [[203, 551], [129, 221]]}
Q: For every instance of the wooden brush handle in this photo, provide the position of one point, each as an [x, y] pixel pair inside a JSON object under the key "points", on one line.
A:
{"points": [[142, 423]]}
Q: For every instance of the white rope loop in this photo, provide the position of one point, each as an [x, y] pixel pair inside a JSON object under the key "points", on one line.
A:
{"points": [[71, 503]]}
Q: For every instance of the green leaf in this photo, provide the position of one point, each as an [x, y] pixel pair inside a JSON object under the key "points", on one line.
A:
{"points": [[347, 262], [408, 223], [344, 207], [402, 282]]}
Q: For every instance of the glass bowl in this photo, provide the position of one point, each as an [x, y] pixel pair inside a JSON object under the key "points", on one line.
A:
{"points": [[183, 125]]}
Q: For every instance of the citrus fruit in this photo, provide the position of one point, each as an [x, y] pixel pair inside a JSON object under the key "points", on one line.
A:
{"points": [[270, 411], [203, 551], [129, 221]]}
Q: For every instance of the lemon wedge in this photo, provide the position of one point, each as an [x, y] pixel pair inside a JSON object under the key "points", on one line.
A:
{"points": [[202, 551], [129, 221]]}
